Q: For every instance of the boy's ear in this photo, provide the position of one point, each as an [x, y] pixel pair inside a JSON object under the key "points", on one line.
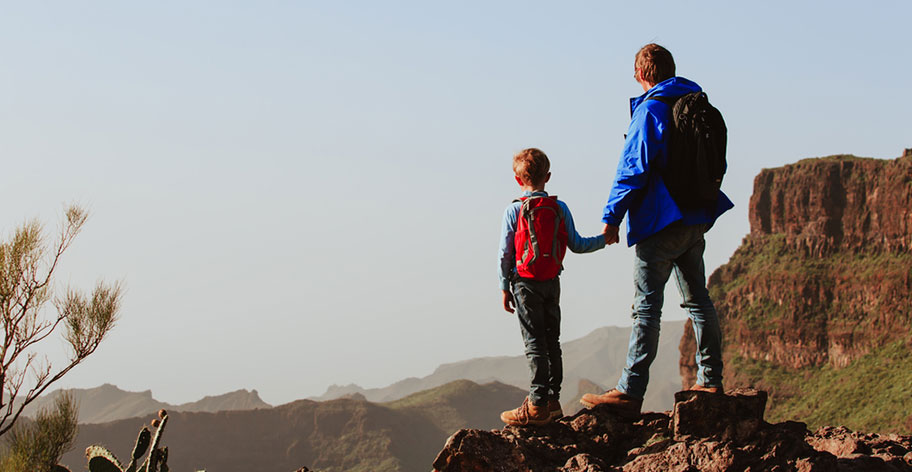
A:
{"points": [[518, 180], [547, 177]]}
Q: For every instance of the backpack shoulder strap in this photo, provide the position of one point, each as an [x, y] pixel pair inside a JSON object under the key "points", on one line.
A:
{"points": [[560, 213], [670, 101]]}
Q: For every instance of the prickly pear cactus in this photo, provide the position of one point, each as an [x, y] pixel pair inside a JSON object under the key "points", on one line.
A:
{"points": [[102, 460]]}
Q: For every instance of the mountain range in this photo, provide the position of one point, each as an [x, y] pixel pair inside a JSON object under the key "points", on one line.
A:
{"points": [[109, 403], [346, 434], [596, 358]]}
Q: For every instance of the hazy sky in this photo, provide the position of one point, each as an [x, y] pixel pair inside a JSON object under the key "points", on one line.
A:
{"points": [[303, 193]]}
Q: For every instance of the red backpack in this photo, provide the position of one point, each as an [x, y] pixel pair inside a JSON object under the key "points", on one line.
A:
{"points": [[540, 239]]}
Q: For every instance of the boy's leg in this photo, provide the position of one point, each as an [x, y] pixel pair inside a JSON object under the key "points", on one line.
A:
{"points": [[691, 279], [552, 328], [530, 310]]}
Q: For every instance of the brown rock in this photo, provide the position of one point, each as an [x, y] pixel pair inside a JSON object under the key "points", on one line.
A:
{"points": [[736, 416], [586, 463], [595, 440]]}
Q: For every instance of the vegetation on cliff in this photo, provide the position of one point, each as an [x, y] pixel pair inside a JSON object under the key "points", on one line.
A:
{"points": [[816, 304], [870, 394]]}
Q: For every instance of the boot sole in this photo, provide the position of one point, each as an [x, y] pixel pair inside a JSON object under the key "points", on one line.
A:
{"points": [[529, 423], [620, 410]]}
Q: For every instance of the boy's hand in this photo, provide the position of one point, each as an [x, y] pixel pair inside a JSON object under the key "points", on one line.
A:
{"points": [[508, 301], [611, 234]]}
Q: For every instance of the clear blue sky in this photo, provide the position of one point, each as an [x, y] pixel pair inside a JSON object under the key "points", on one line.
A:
{"points": [[297, 194]]}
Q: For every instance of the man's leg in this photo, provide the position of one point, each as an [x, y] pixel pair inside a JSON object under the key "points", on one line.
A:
{"points": [[691, 279], [652, 267]]}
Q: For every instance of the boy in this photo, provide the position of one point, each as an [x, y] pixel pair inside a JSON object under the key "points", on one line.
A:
{"points": [[537, 230]]}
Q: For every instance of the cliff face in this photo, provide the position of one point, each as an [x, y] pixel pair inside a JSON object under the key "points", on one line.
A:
{"points": [[836, 204], [820, 291]]}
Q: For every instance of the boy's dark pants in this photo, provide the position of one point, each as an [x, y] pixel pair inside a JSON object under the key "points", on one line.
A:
{"points": [[538, 310]]}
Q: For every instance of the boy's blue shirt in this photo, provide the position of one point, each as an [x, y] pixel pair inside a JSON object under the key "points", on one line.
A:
{"points": [[507, 260], [638, 189]]}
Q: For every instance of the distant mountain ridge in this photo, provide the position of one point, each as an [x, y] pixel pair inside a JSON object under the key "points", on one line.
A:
{"points": [[597, 357], [332, 436], [109, 403]]}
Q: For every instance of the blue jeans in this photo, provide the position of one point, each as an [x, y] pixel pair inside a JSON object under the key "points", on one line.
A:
{"points": [[678, 248], [538, 309]]}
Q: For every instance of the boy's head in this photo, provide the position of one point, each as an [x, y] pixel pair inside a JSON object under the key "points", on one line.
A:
{"points": [[532, 168], [654, 64]]}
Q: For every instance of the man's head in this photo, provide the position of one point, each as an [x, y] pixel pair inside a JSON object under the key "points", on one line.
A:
{"points": [[532, 168], [653, 65]]}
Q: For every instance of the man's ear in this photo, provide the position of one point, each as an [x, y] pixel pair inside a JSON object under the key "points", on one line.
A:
{"points": [[547, 177], [518, 180]]}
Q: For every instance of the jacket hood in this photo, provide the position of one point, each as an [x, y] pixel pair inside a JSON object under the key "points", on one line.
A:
{"points": [[673, 87]]}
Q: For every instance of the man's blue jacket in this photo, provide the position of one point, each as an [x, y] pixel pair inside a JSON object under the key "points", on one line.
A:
{"points": [[638, 188]]}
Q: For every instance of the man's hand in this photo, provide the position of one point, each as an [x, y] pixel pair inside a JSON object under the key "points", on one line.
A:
{"points": [[611, 234], [508, 301]]}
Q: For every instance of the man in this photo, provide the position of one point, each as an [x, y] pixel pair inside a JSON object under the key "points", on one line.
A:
{"points": [[668, 237]]}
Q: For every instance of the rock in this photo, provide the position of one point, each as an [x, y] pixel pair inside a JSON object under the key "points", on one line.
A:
{"points": [[737, 415], [862, 451], [705, 432], [586, 463]]}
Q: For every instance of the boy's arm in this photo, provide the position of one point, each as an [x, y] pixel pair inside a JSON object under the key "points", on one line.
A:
{"points": [[506, 261], [575, 242]]}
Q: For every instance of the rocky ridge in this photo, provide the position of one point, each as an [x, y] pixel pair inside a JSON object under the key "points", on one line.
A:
{"points": [[108, 403], [821, 286], [704, 432]]}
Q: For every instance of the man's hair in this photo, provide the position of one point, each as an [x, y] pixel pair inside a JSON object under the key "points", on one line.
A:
{"points": [[531, 165], [656, 63]]}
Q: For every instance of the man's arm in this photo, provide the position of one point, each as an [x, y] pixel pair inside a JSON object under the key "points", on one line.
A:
{"points": [[642, 145]]}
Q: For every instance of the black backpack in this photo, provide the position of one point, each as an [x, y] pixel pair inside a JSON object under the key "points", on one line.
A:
{"points": [[696, 151]]}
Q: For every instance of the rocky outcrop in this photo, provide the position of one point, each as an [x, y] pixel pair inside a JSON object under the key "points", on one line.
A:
{"points": [[839, 203], [823, 279], [705, 432]]}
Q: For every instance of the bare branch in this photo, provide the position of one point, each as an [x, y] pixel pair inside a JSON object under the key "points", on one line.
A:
{"points": [[26, 271]]}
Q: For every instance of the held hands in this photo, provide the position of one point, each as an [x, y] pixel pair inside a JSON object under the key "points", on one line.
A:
{"points": [[610, 233], [508, 302]]}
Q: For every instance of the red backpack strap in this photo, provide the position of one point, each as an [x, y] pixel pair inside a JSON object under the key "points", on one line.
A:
{"points": [[560, 221]]}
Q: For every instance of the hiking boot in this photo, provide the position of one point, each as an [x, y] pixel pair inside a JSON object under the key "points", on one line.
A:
{"points": [[700, 388], [527, 414], [620, 402], [554, 407]]}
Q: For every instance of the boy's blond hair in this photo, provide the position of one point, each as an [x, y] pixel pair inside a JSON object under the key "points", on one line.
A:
{"points": [[532, 166]]}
